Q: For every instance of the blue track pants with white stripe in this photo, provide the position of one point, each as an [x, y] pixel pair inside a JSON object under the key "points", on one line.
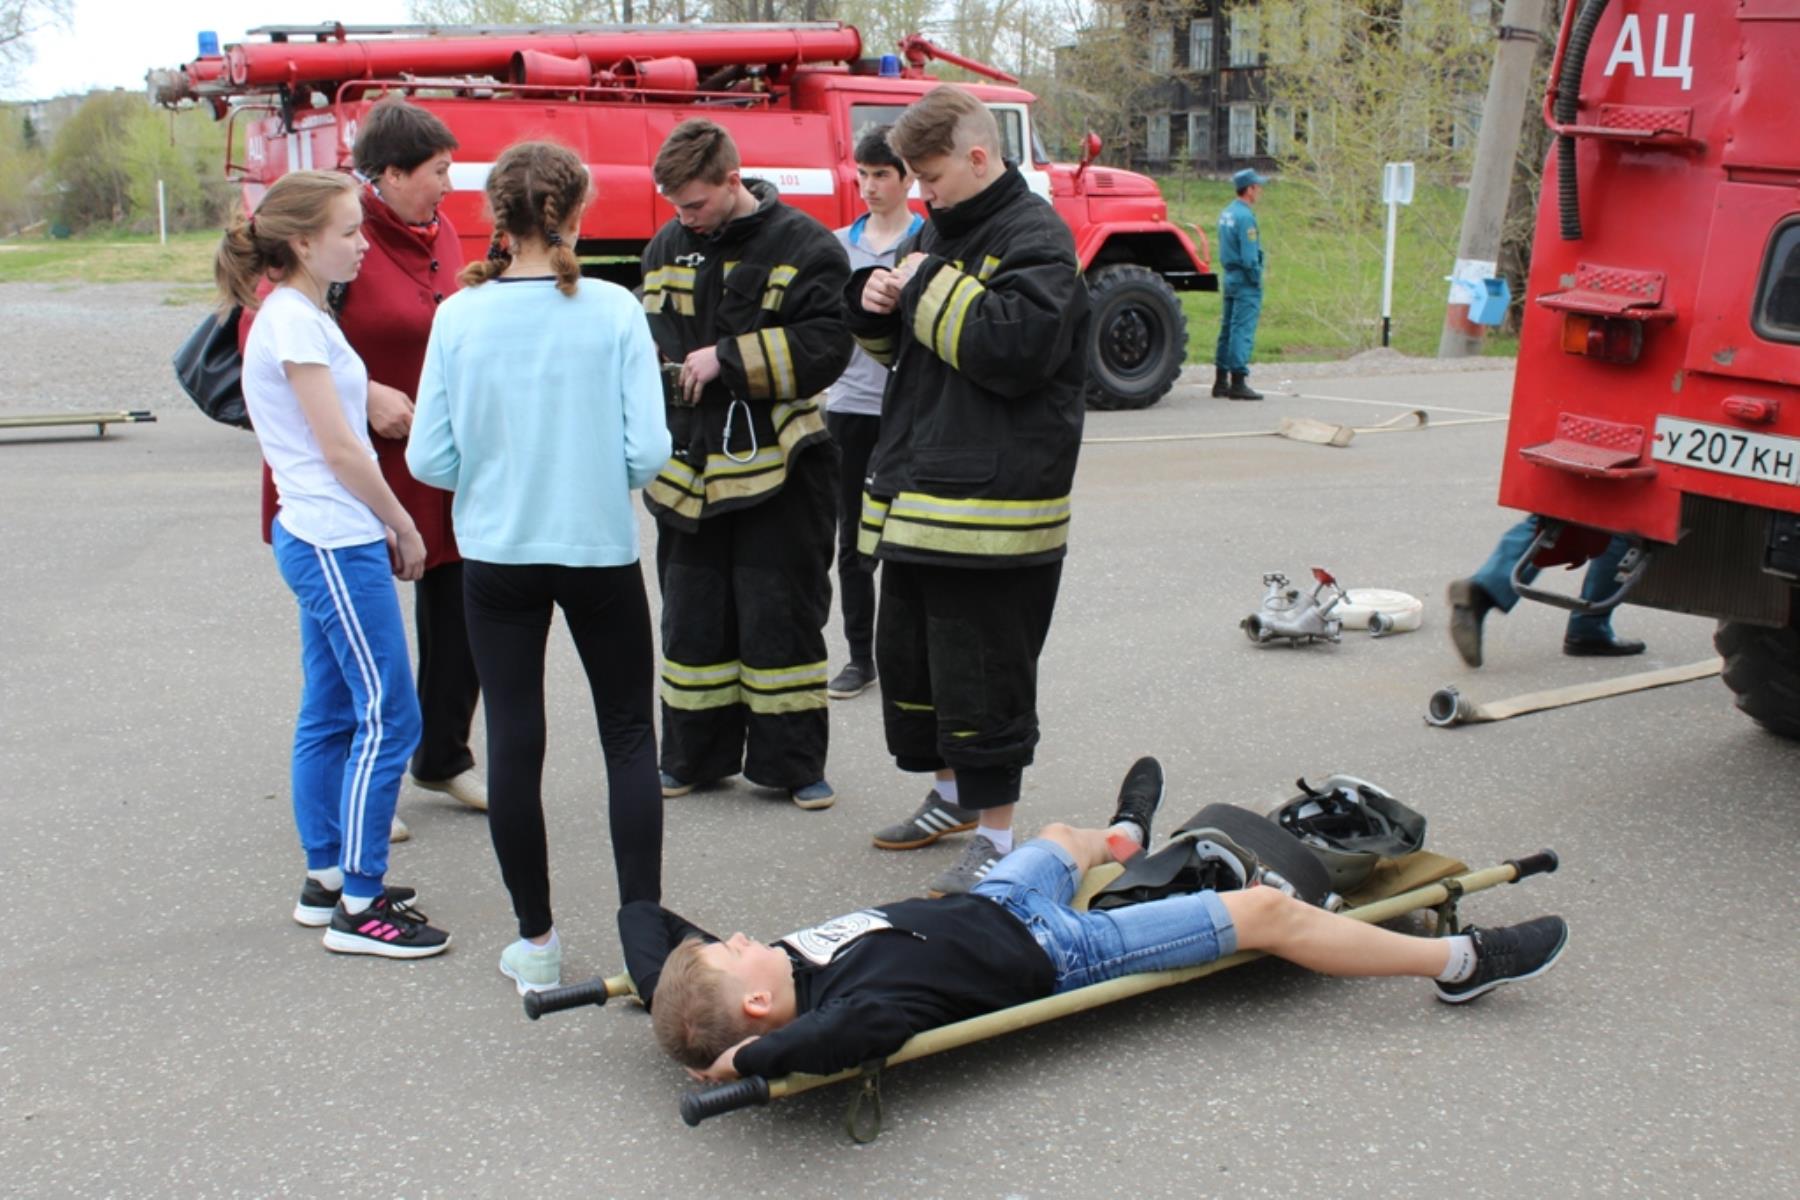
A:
{"points": [[359, 712]]}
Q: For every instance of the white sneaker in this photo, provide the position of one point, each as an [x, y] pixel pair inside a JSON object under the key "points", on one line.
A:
{"points": [[398, 832], [532, 968], [469, 788]]}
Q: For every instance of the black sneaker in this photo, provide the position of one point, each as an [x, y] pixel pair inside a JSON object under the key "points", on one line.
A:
{"points": [[1140, 795], [386, 929], [316, 902], [851, 682], [1508, 954]]}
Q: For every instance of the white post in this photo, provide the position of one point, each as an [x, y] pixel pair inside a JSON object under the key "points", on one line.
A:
{"points": [[162, 216], [1387, 275], [1396, 189]]}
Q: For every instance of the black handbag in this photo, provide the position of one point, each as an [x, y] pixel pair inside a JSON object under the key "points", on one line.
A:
{"points": [[210, 369]]}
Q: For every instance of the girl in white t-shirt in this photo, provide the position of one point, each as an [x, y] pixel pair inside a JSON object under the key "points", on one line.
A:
{"points": [[340, 537]]}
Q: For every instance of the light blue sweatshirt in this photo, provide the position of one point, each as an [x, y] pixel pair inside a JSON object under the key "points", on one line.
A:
{"points": [[541, 412]]}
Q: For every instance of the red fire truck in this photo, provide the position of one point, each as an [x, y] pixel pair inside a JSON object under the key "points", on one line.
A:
{"points": [[796, 97], [1658, 385]]}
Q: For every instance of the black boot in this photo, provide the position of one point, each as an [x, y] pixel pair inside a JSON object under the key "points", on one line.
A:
{"points": [[1240, 387], [1220, 386]]}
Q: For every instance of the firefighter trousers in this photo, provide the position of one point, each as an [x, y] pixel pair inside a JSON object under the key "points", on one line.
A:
{"points": [[745, 601], [957, 650]]}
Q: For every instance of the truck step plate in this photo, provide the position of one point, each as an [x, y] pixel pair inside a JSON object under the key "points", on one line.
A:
{"points": [[1726, 450]]}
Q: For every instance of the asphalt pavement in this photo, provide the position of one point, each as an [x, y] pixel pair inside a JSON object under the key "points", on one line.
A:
{"points": [[168, 1030]]}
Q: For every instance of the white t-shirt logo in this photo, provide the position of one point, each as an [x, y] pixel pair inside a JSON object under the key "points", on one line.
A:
{"points": [[820, 944]]}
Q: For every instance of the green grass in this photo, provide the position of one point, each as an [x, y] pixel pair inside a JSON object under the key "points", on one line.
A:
{"points": [[109, 257], [1321, 292], [1322, 285]]}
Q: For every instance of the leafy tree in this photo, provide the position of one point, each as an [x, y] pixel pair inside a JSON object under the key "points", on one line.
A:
{"points": [[21, 166], [108, 157], [89, 160]]}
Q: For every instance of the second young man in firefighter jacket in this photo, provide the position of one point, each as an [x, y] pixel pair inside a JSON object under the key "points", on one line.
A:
{"points": [[745, 507], [968, 500]]}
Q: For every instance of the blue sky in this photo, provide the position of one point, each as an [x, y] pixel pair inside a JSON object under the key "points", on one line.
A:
{"points": [[113, 42]]}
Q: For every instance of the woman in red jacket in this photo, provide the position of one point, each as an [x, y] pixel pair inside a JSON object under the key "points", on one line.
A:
{"points": [[411, 266]]}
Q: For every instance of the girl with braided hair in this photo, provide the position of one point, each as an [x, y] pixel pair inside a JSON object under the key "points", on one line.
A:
{"points": [[540, 407]]}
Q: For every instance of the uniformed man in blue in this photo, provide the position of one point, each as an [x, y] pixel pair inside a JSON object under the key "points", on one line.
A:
{"points": [[1241, 253]]}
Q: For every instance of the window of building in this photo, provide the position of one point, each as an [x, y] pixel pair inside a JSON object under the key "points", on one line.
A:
{"points": [[1320, 130], [1282, 46], [1246, 38], [1200, 39], [1278, 124], [1465, 126], [1778, 295], [1200, 136], [1162, 51], [1156, 142], [1324, 29], [1241, 135]]}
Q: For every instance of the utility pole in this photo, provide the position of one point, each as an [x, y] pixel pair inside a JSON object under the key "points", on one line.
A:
{"points": [[1521, 26]]}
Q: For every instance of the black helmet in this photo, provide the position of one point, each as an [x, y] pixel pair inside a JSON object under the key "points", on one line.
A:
{"points": [[1350, 824]]}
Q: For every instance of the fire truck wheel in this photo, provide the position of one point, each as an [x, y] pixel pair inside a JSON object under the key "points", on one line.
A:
{"points": [[1762, 668], [1137, 337]]}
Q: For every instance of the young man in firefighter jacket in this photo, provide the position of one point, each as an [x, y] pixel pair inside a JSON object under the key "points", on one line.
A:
{"points": [[967, 509], [745, 302]]}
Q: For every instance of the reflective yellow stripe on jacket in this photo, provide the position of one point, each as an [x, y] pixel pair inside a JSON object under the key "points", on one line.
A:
{"points": [[868, 530], [686, 492], [671, 288], [768, 364], [938, 321], [987, 528]]}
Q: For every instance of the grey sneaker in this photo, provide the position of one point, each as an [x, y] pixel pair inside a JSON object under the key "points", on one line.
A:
{"points": [[935, 818], [1469, 605], [978, 858], [852, 681]]}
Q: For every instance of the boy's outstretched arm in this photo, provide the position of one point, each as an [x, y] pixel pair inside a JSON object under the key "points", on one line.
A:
{"points": [[647, 933]]}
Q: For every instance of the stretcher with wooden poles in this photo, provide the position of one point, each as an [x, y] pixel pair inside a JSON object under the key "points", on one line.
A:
{"points": [[99, 420], [1420, 881]]}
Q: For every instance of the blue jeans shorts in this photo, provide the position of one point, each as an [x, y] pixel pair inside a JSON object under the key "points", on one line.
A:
{"points": [[1036, 882]]}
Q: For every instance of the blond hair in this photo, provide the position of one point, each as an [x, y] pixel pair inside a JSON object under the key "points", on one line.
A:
{"points": [[697, 149], [694, 1014], [260, 244], [940, 121], [531, 191]]}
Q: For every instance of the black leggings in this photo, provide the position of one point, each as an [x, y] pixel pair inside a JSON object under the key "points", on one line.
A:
{"points": [[508, 612]]}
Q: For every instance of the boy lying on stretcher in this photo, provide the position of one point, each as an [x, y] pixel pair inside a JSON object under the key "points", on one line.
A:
{"points": [[857, 987]]}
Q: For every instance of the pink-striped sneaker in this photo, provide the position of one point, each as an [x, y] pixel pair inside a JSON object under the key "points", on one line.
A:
{"points": [[384, 928]]}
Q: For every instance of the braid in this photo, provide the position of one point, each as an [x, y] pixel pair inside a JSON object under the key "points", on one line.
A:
{"points": [[562, 259], [531, 190], [498, 257]]}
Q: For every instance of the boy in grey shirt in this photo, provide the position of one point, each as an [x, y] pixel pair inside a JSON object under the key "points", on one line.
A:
{"points": [[853, 403]]}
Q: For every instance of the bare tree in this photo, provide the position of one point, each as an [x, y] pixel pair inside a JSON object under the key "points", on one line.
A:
{"points": [[20, 22]]}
